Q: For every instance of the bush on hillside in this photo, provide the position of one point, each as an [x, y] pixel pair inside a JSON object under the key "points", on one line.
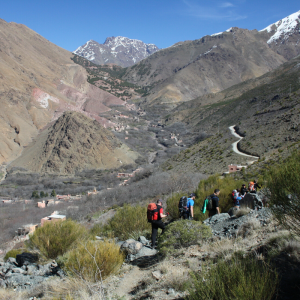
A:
{"points": [[125, 223], [225, 185], [284, 184], [245, 279], [182, 233], [13, 253], [93, 260], [56, 238]]}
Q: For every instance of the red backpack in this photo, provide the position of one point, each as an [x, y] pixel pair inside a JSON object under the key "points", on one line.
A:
{"points": [[152, 212]]}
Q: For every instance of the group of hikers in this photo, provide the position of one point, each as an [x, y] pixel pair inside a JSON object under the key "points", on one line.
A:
{"points": [[155, 212], [239, 194]]}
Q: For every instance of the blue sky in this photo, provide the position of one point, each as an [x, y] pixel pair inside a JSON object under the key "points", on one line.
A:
{"points": [[70, 24]]}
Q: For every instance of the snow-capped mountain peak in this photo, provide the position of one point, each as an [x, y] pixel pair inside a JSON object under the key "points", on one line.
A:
{"points": [[283, 28], [118, 50]]}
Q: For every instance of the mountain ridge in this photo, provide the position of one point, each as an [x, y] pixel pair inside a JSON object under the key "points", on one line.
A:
{"points": [[118, 50]]}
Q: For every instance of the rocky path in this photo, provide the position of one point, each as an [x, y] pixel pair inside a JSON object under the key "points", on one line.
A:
{"points": [[125, 286], [234, 145]]}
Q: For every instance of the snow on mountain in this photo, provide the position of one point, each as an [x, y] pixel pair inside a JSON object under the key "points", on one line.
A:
{"points": [[118, 50], [87, 50], [283, 28]]}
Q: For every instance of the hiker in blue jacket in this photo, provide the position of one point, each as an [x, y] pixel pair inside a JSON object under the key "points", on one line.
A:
{"points": [[190, 205]]}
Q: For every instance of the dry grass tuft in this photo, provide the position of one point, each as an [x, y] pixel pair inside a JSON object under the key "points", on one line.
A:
{"points": [[293, 248], [6, 294], [249, 228], [242, 212], [70, 289], [175, 276]]}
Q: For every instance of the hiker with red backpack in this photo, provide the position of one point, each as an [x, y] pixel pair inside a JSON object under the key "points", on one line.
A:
{"points": [[155, 214]]}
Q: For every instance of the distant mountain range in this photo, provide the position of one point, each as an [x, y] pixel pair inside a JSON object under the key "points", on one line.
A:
{"points": [[213, 63], [39, 82], [118, 50]]}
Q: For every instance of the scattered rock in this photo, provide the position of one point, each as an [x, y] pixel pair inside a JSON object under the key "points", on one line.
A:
{"points": [[171, 292], [29, 274], [223, 225], [216, 218], [157, 275], [143, 240], [12, 261]]}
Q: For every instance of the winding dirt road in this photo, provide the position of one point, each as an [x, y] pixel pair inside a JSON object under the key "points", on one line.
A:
{"points": [[234, 145]]}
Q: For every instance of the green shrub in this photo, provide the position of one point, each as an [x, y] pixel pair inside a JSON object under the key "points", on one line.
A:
{"points": [[172, 205], [88, 259], [182, 233], [245, 279], [13, 253], [225, 185], [56, 238], [283, 182], [127, 221]]}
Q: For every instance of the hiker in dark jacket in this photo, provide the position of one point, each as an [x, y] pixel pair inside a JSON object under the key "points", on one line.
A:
{"points": [[256, 186], [215, 203], [157, 222], [244, 190]]}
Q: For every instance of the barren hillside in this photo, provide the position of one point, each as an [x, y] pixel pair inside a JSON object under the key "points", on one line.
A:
{"points": [[74, 142], [38, 83], [211, 64]]}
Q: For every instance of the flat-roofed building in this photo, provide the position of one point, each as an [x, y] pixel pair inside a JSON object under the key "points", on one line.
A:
{"points": [[52, 218]]}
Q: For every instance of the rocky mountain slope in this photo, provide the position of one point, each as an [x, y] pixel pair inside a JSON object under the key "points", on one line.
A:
{"points": [[38, 83], [108, 78], [74, 142], [118, 50], [213, 63], [265, 111]]}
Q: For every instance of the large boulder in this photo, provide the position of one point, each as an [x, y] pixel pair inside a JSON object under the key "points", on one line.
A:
{"points": [[217, 218], [251, 200], [131, 246], [26, 258], [144, 252]]}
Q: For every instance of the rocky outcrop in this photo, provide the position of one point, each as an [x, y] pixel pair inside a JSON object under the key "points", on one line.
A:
{"points": [[26, 274], [137, 251], [226, 226]]}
